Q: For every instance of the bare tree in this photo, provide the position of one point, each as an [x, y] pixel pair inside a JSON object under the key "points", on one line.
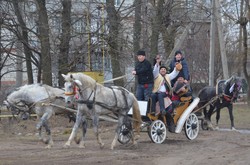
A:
{"points": [[243, 21], [45, 44], [113, 42], [23, 37], [137, 26], [65, 38]]}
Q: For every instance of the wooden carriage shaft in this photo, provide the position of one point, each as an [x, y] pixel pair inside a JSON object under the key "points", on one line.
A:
{"points": [[208, 103]]}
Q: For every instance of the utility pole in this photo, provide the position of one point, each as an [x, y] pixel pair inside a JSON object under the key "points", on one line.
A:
{"points": [[221, 40], [212, 45]]}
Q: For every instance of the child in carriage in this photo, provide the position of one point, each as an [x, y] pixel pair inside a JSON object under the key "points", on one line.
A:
{"points": [[181, 92]]}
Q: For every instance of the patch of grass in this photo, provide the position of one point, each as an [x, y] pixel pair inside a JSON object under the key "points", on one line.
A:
{"points": [[241, 114]]}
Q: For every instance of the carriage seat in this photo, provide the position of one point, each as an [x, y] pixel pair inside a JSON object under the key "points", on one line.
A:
{"points": [[181, 107]]}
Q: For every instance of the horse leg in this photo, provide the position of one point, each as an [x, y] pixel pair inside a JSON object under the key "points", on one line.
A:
{"points": [[217, 118], [40, 134], [120, 122], [84, 131], [134, 138], [209, 114], [230, 110], [50, 141], [44, 123], [40, 124], [74, 130], [95, 120]]}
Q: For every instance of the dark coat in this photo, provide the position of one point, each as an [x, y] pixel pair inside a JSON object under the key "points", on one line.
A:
{"points": [[184, 72], [144, 72]]}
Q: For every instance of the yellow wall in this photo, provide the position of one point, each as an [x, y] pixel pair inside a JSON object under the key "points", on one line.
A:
{"points": [[98, 76]]}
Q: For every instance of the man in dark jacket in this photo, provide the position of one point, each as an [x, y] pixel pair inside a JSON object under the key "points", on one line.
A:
{"points": [[184, 71], [143, 69]]}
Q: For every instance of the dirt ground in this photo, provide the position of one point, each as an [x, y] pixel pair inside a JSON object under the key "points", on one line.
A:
{"points": [[19, 145]]}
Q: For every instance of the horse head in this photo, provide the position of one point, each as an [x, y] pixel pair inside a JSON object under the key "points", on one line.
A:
{"points": [[233, 87], [72, 87], [19, 108]]}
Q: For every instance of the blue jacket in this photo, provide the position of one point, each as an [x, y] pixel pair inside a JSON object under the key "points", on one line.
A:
{"points": [[184, 72]]}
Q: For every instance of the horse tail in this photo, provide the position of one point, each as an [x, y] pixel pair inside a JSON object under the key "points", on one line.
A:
{"points": [[136, 116]]}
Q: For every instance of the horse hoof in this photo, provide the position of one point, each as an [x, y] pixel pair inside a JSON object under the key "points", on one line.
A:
{"points": [[48, 146], [210, 126], [233, 129], [217, 128], [81, 146], [46, 141], [102, 145], [66, 146], [135, 145], [137, 137]]}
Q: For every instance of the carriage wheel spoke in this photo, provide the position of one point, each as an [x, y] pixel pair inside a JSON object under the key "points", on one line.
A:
{"points": [[192, 126]]}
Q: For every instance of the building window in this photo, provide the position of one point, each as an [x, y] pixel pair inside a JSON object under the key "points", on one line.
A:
{"points": [[117, 2]]}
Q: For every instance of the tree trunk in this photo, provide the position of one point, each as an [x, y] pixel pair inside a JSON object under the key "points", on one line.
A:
{"points": [[43, 28], [24, 39], [19, 64], [156, 28], [137, 27], [64, 45], [245, 51], [113, 42]]}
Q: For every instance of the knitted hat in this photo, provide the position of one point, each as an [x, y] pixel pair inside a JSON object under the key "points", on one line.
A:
{"points": [[163, 67], [141, 52], [178, 52]]}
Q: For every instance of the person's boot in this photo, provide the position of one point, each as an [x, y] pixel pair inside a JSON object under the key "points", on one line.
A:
{"points": [[170, 122]]}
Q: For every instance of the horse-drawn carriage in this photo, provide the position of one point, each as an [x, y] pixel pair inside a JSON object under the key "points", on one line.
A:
{"points": [[157, 125], [96, 100], [185, 115]]}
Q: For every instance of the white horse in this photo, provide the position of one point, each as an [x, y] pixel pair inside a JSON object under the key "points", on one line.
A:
{"points": [[94, 100], [37, 98]]}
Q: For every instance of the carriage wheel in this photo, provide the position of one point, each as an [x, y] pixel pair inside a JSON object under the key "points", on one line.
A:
{"points": [[192, 126], [125, 135], [157, 131]]}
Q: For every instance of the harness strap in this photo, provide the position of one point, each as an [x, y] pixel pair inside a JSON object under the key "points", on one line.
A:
{"points": [[227, 98], [114, 96], [88, 102]]}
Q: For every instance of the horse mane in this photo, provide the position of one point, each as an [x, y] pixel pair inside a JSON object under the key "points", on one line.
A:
{"points": [[83, 78]]}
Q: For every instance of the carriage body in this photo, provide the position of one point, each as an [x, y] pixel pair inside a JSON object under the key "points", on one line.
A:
{"points": [[182, 115]]}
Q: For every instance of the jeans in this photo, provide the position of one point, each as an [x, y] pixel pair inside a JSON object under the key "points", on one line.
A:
{"points": [[143, 92], [158, 97]]}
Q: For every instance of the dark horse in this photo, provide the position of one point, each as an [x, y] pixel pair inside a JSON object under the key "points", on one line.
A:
{"points": [[223, 95]]}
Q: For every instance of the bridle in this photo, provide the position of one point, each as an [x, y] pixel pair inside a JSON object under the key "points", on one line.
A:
{"points": [[236, 89], [77, 90], [17, 109]]}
